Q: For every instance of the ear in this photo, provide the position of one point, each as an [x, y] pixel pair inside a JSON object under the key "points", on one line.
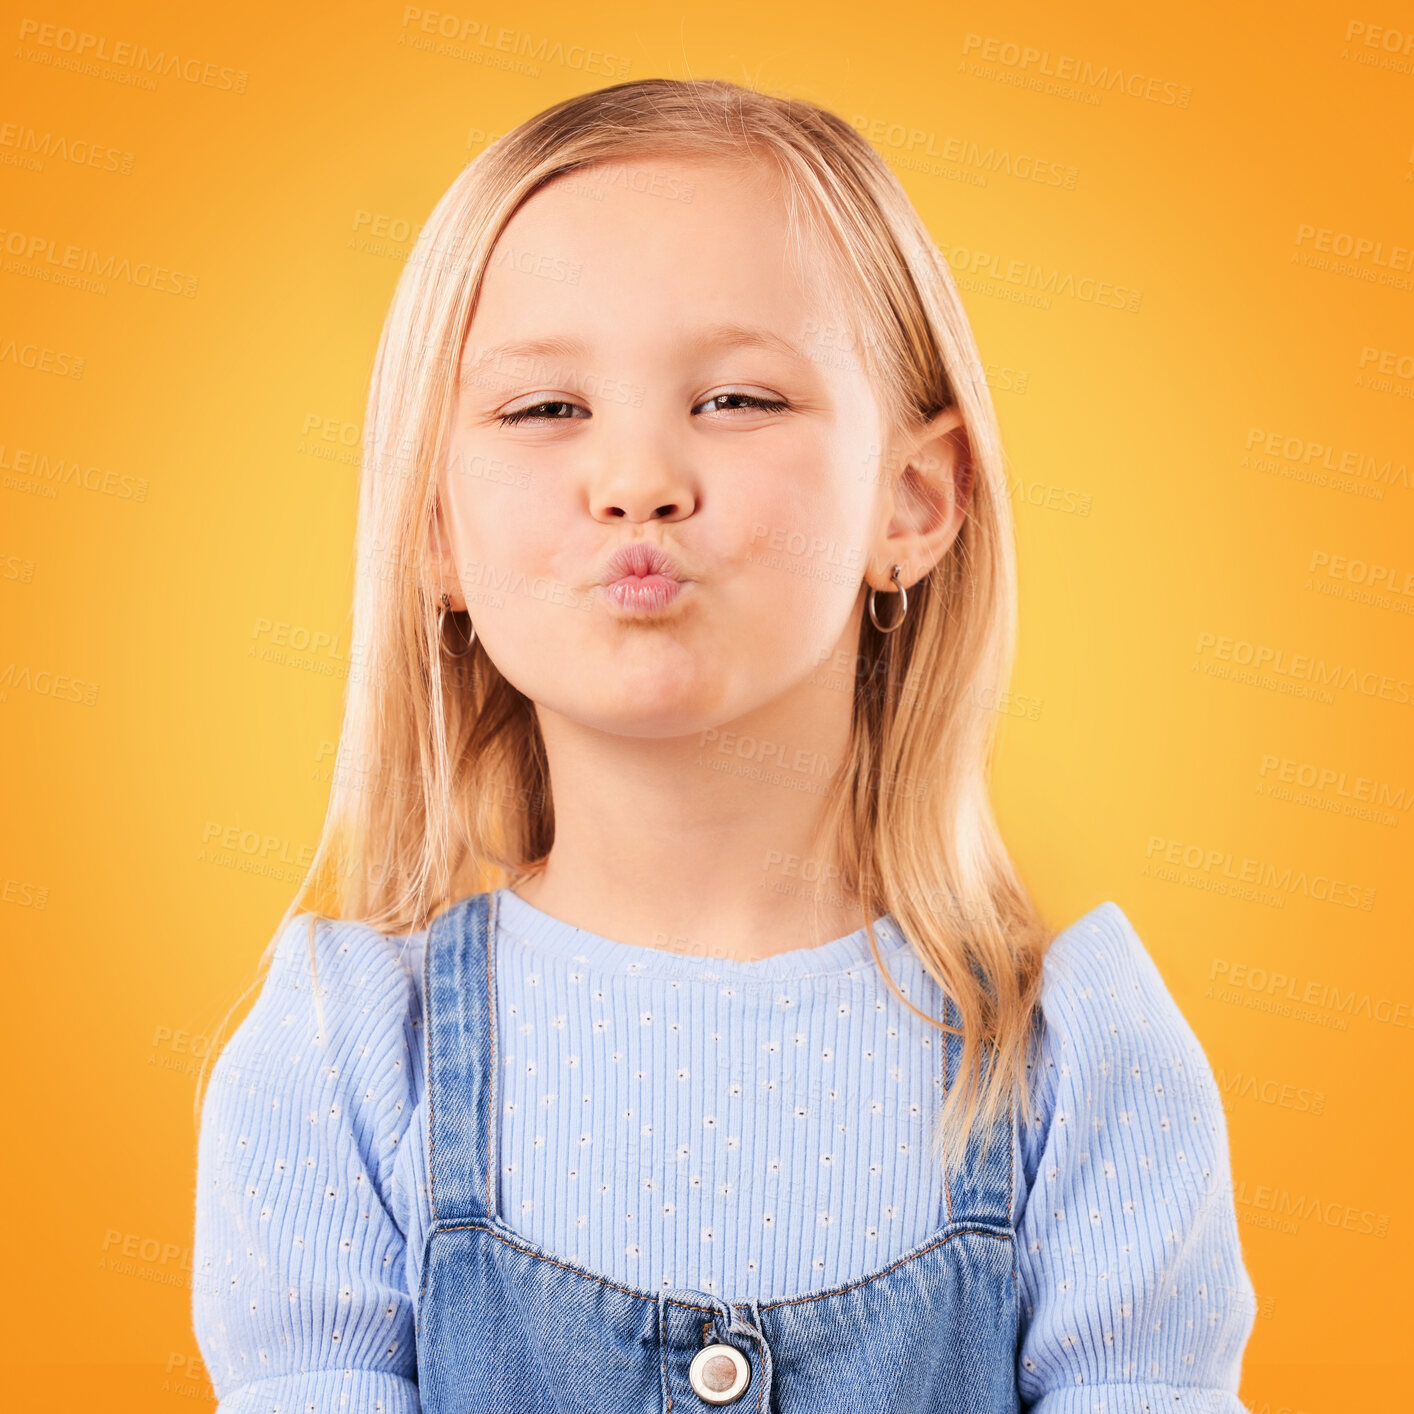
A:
{"points": [[439, 565], [928, 501]]}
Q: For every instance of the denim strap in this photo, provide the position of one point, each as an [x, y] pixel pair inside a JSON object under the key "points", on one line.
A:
{"points": [[983, 1189], [460, 1032]]}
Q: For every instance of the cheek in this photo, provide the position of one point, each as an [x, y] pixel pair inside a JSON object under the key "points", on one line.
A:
{"points": [[808, 519], [525, 562], [500, 523]]}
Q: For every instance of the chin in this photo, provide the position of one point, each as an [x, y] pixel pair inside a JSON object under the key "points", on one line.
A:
{"points": [[662, 720], [675, 711]]}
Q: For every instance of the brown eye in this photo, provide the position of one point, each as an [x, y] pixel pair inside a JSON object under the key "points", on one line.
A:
{"points": [[737, 400], [537, 412]]}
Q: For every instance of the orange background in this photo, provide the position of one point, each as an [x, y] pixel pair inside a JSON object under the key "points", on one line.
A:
{"points": [[1177, 515]]}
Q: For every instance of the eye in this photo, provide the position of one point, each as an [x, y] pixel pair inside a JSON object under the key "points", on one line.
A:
{"points": [[745, 401], [537, 412]]}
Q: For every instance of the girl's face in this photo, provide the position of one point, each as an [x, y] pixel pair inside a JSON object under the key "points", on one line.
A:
{"points": [[645, 369]]}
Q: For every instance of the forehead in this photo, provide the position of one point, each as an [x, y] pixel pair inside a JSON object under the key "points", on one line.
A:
{"points": [[664, 192], [659, 238]]}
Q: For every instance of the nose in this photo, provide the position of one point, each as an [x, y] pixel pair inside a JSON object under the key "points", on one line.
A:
{"points": [[640, 475]]}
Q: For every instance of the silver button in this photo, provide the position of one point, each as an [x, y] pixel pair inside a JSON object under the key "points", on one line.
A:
{"points": [[719, 1373]]}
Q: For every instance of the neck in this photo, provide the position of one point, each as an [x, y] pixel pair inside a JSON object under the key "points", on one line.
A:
{"points": [[702, 844]]}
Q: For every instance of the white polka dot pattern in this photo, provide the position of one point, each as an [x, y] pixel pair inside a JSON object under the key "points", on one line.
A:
{"points": [[298, 1294], [1134, 1294], [742, 1128]]}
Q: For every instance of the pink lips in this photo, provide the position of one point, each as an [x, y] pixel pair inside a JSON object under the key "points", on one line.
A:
{"points": [[641, 578]]}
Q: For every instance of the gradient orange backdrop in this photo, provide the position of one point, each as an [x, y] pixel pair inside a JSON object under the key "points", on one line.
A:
{"points": [[1211, 480]]}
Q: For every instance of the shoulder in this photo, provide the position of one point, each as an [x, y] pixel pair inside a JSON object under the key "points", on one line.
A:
{"points": [[1100, 946], [1101, 989], [1115, 1051], [343, 975], [341, 1002], [348, 960]]}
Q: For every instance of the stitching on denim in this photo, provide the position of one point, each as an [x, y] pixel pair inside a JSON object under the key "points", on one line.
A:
{"points": [[754, 1334], [874, 1276], [759, 1336], [947, 1039], [493, 1140], [430, 1009], [640, 1295], [1011, 1170], [568, 1266], [419, 1324], [660, 1331]]}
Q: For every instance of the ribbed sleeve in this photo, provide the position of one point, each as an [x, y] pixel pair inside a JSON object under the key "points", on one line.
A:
{"points": [[299, 1298], [742, 1128], [1135, 1297]]}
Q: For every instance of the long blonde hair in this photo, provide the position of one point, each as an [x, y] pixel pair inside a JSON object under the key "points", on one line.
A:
{"points": [[442, 784]]}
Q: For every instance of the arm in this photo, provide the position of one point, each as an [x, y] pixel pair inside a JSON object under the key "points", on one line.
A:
{"points": [[298, 1293], [1134, 1295]]}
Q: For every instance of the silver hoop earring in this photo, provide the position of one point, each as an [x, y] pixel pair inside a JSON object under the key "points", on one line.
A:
{"points": [[903, 609], [442, 613]]}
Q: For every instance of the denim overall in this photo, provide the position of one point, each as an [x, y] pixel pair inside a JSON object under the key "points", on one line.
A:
{"points": [[505, 1327]]}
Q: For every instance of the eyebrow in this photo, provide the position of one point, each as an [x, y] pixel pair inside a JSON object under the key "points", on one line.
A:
{"points": [[714, 336]]}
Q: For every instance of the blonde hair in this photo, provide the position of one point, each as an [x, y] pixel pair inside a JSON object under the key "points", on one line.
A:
{"points": [[442, 787]]}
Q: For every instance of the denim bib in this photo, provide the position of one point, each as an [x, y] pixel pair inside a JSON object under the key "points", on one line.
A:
{"points": [[505, 1327]]}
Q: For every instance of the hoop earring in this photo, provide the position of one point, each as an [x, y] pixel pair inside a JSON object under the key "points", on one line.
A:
{"points": [[442, 612], [903, 611]]}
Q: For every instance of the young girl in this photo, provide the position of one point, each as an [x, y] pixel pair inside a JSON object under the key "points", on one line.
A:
{"points": [[676, 1031]]}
